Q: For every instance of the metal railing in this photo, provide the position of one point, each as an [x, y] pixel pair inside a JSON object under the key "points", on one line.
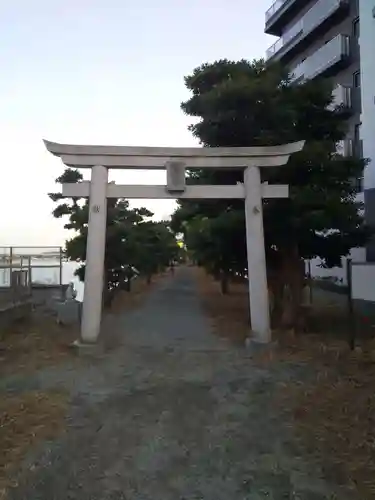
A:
{"points": [[288, 36], [328, 55], [23, 268], [44, 264], [274, 8], [321, 11]]}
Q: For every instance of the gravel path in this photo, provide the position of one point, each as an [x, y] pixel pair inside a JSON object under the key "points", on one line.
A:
{"points": [[171, 412]]}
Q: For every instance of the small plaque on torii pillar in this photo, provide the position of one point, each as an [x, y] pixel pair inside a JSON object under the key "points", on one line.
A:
{"points": [[176, 182]]}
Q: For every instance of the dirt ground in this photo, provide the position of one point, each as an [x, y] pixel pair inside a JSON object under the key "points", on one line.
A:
{"points": [[333, 411], [26, 348], [40, 342], [177, 407], [25, 420]]}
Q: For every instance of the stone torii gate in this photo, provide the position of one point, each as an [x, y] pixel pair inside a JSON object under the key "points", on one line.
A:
{"points": [[175, 161]]}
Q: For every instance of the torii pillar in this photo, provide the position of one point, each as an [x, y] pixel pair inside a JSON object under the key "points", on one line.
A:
{"points": [[175, 161]]}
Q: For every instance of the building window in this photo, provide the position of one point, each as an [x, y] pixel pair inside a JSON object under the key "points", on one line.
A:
{"points": [[357, 79], [356, 28]]}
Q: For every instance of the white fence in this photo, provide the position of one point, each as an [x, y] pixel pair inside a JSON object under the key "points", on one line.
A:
{"points": [[336, 274], [363, 281]]}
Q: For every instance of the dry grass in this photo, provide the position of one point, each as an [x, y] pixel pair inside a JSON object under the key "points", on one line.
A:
{"points": [[334, 423], [32, 344], [228, 313], [32, 416], [39, 342], [333, 413], [140, 289], [24, 421]]}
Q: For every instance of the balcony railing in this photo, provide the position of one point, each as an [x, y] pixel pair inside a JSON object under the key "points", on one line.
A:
{"points": [[327, 56], [321, 11], [274, 8], [295, 31]]}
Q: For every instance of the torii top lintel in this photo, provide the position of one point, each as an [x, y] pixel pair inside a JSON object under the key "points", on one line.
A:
{"points": [[156, 157]]}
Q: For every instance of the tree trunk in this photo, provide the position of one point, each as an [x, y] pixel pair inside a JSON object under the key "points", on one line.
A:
{"points": [[276, 290], [108, 296], [224, 283], [106, 292], [293, 283], [128, 284]]}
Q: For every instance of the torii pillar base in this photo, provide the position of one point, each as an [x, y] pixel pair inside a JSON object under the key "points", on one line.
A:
{"points": [[85, 349], [255, 348]]}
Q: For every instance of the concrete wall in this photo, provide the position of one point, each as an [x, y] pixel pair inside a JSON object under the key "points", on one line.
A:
{"points": [[42, 294], [363, 281], [43, 297], [363, 291], [16, 313], [9, 296]]}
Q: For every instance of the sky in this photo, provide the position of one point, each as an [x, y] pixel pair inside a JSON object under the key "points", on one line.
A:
{"points": [[102, 72]]}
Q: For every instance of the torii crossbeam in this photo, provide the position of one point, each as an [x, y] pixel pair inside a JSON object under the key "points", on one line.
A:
{"points": [[175, 161]]}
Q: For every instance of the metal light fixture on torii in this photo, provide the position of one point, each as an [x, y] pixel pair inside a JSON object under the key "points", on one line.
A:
{"points": [[175, 161]]}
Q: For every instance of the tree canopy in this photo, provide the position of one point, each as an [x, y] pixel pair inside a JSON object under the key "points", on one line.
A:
{"points": [[134, 242], [251, 104]]}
